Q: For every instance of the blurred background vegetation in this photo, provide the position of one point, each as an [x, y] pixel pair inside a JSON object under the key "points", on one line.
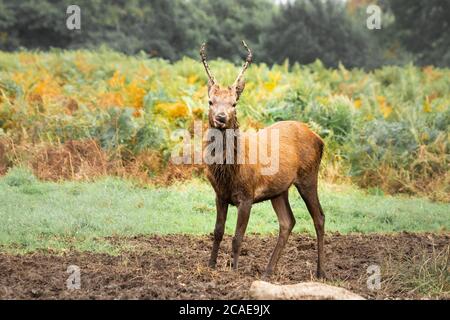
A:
{"points": [[106, 100], [302, 31]]}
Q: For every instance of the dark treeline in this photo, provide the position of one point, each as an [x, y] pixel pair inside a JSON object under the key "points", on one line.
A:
{"points": [[301, 31]]}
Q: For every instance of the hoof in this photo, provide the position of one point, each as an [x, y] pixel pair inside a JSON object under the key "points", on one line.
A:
{"points": [[212, 263], [321, 274], [266, 275]]}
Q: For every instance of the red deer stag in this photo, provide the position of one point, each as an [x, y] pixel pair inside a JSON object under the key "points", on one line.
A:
{"points": [[243, 184]]}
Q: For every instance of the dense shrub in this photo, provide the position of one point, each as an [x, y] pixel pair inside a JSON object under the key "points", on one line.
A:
{"points": [[388, 128]]}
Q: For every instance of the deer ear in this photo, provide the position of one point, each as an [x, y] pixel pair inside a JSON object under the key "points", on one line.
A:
{"points": [[239, 88]]}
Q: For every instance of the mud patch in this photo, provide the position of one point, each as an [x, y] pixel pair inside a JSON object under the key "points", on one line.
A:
{"points": [[174, 267]]}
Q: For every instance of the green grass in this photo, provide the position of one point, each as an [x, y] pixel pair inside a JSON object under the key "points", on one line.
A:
{"points": [[78, 215]]}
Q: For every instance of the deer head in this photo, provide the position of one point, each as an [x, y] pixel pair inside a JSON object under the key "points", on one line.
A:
{"points": [[223, 100]]}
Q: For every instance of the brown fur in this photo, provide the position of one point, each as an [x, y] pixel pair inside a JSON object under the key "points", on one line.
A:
{"points": [[300, 157], [242, 185]]}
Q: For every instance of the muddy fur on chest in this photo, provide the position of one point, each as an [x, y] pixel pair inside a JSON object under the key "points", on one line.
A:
{"points": [[228, 183], [226, 178]]}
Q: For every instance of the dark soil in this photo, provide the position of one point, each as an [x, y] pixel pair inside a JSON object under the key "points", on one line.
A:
{"points": [[175, 267]]}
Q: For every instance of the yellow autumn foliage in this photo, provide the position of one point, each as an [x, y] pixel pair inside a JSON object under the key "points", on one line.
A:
{"points": [[63, 90], [135, 94], [385, 108], [111, 99], [47, 87], [427, 105], [172, 110], [117, 80], [192, 79], [274, 78], [357, 103], [82, 65]]}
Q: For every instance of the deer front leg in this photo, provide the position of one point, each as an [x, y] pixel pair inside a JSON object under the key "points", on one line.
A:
{"points": [[222, 209], [241, 225]]}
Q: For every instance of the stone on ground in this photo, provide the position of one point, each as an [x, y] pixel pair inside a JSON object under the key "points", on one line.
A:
{"points": [[261, 290]]}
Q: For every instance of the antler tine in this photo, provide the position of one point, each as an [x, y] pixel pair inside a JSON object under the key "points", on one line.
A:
{"points": [[205, 63], [247, 62]]}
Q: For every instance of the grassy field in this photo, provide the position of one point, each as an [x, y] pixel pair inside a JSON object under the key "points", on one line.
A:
{"points": [[79, 215], [100, 125]]}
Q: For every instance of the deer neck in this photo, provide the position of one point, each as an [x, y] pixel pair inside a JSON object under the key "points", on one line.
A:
{"points": [[230, 146], [225, 173]]}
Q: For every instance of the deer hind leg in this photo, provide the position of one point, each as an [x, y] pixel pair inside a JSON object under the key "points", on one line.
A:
{"points": [[222, 209], [241, 225], [287, 221], [308, 191]]}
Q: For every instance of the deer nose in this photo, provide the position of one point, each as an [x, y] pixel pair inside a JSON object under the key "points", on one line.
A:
{"points": [[221, 117]]}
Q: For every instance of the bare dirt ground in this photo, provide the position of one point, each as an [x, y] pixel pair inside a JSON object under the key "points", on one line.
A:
{"points": [[174, 267]]}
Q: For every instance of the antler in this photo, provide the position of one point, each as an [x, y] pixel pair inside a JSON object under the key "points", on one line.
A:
{"points": [[246, 64], [205, 63]]}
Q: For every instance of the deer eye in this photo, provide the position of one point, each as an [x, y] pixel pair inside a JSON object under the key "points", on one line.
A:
{"points": [[234, 105], [210, 103]]}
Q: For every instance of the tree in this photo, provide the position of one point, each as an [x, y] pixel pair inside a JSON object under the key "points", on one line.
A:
{"points": [[224, 24], [32, 24], [301, 31], [304, 31], [422, 27]]}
